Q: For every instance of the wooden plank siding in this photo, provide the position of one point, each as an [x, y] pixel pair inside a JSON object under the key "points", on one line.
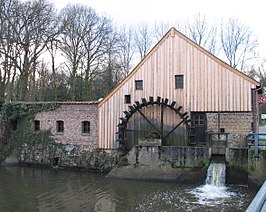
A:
{"points": [[210, 85]]}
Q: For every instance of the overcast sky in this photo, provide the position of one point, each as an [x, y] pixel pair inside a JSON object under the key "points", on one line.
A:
{"points": [[251, 13]]}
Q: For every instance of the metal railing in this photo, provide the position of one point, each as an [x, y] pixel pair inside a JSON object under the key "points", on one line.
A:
{"points": [[257, 140], [258, 204]]}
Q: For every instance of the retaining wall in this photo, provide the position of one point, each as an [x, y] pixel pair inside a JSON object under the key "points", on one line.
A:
{"points": [[169, 163], [68, 155]]}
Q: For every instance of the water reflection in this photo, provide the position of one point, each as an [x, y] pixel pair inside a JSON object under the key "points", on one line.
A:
{"points": [[44, 189]]}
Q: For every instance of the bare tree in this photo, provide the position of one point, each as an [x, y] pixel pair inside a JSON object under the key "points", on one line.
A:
{"points": [[7, 44], [84, 38], [53, 49], [143, 39], [32, 24], [126, 50], [238, 43], [112, 69], [160, 29], [71, 42], [98, 45], [202, 33]]}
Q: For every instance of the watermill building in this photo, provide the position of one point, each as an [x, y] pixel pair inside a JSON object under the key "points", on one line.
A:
{"points": [[181, 94]]}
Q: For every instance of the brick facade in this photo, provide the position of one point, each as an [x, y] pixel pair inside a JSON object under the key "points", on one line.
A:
{"points": [[72, 116], [238, 125]]}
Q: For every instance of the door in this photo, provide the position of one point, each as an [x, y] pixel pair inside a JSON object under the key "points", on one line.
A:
{"points": [[199, 126]]}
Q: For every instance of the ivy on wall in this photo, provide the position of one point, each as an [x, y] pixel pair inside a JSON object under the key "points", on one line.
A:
{"points": [[16, 126]]}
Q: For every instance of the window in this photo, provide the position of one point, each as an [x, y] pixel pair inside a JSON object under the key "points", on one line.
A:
{"points": [[198, 120], [59, 126], [179, 81], [14, 125], [37, 125], [127, 99], [139, 84], [85, 127]]}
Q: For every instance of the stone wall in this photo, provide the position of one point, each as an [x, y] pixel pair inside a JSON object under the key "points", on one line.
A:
{"points": [[72, 115], [238, 125], [68, 155]]}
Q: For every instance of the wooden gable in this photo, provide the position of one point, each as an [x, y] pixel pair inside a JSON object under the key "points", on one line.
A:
{"points": [[210, 85]]}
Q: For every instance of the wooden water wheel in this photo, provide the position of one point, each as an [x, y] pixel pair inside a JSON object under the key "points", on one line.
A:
{"points": [[155, 131]]}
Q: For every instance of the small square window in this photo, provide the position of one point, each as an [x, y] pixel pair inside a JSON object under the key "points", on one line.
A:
{"points": [[59, 126], [179, 81], [127, 99], [139, 84], [37, 125], [85, 127]]}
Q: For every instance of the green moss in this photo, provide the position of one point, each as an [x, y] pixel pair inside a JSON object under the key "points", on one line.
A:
{"points": [[207, 163], [123, 162], [263, 154], [173, 165]]}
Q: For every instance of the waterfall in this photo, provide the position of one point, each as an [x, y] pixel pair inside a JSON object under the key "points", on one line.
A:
{"points": [[216, 174], [214, 191]]}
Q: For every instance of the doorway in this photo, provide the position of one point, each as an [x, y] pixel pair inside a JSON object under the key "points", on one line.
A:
{"points": [[198, 126]]}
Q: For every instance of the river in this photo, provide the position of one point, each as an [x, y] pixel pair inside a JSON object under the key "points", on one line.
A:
{"points": [[46, 189]]}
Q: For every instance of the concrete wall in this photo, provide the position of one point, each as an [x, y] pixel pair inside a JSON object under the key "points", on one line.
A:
{"points": [[257, 167], [238, 125], [169, 163], [180, 164], [72, 115]]}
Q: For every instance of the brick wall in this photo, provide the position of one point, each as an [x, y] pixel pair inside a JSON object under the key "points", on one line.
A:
{"points": [[72, 116], [238, 125]]}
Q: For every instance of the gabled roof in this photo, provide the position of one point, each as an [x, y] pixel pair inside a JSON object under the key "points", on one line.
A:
{"points": [[172, 32]]}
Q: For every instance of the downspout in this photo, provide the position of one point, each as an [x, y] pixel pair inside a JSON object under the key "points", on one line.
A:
{"points": [[255, 108]]}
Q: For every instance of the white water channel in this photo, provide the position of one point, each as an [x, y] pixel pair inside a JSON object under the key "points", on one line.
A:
{"points": [[214, 192]]}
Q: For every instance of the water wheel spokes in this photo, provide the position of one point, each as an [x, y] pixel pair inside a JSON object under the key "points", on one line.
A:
{"points": [[159, 131]]}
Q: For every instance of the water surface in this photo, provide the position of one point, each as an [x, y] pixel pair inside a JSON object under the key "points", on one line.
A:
{"points": [[46, 189]]}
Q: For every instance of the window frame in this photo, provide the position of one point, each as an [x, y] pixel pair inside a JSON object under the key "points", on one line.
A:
{"points": [[199, 120], [127, 99], [37, 125], [179, 81], [60, 128], [85, 127], [138, 85]]}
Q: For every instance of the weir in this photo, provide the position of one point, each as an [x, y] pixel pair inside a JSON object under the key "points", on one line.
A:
{"points": [[214, 191], [216, 174]]}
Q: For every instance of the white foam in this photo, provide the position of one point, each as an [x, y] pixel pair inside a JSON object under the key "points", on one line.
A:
{"points": [[211, 195], [214, 192]]}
